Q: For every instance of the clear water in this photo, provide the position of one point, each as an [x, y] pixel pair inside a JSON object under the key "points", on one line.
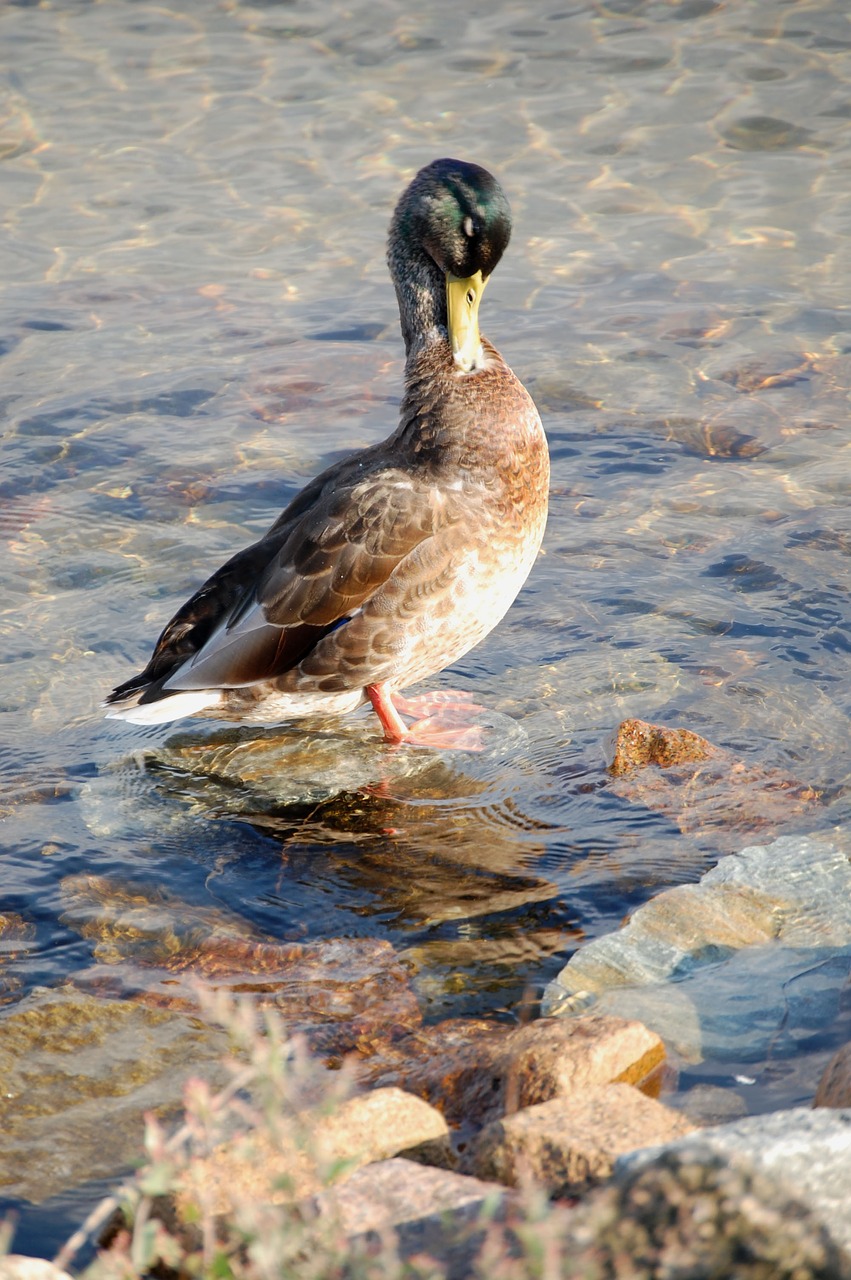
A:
{"points": [[195, 316]]}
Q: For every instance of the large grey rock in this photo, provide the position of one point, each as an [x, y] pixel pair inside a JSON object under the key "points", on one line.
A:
{"points": [[698, 1219], [808, 1152]]}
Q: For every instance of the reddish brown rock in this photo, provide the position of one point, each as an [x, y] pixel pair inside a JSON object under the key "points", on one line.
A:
{"points": [[834, 1088], [639, 744], [571, 1143], [455, 1065], [475, 1071], [707, 791]]}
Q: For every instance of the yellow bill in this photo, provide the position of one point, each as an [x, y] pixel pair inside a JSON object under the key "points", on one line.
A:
{"points": [[462, 305]]}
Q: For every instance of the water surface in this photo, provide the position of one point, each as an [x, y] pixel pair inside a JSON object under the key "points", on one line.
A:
{"points": [[195, 316]]}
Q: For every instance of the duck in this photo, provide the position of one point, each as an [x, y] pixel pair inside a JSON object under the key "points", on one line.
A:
{"points": [[395, 561]]}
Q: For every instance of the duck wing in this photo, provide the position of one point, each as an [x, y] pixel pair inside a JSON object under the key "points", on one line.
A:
{"points": [[337, 544]]}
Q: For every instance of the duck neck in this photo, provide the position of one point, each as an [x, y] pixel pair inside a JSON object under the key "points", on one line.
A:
{"points": [[421, 293]]}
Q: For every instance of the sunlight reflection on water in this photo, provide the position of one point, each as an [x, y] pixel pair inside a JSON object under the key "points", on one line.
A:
{"points": [[196, 316]]}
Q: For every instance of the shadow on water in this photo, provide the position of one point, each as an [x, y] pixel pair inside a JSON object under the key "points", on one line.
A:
{"points": [[432, 850]]}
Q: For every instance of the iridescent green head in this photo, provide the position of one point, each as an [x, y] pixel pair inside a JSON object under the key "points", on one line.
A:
{"points": [[452, 223]]}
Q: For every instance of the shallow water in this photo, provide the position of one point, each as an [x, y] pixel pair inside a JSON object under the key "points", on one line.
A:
{"points": [[195, 316]]}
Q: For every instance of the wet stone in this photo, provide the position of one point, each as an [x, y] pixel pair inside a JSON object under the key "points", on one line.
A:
{"points": [[710, 793], [709, 439], [66, 1060], [761, 375], [276, 768], [339, 991], [639, 744], [766, 133], [834, 1089], [761, 945], [16, 934]]}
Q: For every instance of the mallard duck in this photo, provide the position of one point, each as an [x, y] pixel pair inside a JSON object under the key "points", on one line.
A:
{"points": [[396, 561]]}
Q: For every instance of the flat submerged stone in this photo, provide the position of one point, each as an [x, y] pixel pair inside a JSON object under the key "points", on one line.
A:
{"points": [[68, 1061], [716, 968]]}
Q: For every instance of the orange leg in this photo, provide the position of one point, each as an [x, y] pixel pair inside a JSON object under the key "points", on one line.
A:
{"points": [[395, 729]]}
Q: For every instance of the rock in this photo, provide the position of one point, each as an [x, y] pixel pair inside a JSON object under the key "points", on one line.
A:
{"points": [[685, 1217], [247, 770], [14, 1266], [550, 1059], [337, 991], [244, 770], [721, 968], [786, 368], [453, 1064], [834, 1089], [377, 1125], [308, 1151], [475, 1071], [67, 1060], [431, 1212], [676, 1217], [805, 1152], [711, 794], [15, 936], [639, 744], [569, 1144]]}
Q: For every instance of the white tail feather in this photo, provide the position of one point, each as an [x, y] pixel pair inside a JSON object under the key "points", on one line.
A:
{"points": [[166, 709]]}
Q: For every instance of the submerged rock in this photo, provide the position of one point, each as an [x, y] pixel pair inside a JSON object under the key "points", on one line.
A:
{"points": [[153, 946], [710, 793], [16, 934], [277, 768], [79, 1074], [718, 968]]}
